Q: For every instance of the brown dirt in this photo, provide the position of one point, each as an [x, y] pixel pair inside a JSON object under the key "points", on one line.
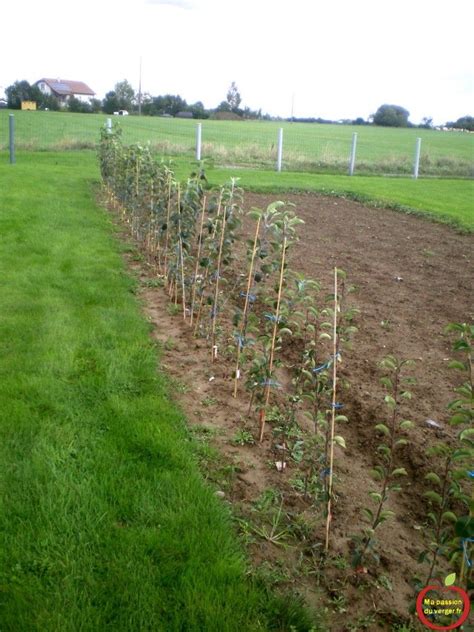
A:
{"points": [[413, 277]]}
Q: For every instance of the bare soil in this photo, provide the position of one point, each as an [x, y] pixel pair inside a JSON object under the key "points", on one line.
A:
{"points": [[413, 277]]}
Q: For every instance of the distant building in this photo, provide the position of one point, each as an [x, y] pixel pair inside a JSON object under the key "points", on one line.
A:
{"points": [[64, 89]]}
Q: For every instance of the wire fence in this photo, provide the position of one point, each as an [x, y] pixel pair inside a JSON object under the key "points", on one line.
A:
{"points": [[286, 146]]}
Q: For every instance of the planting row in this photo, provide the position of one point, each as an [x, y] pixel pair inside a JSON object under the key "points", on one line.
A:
{"points": [[228, 274]]}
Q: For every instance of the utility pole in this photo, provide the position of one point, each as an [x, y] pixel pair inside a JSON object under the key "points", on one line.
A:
{"points": [[140, 90]]}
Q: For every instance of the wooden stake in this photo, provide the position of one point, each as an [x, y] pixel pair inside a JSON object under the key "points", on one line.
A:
{"points": [[243, 325], [168, 213], [272, 349], [181, 255], [216, 290], [198, 257], [333, 412]]}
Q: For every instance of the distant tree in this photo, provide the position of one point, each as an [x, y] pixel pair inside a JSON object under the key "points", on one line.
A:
{"points": [[233, 97], [166, 104], [465, 122], [22, 91], [223, 106], [49, 102], [110, 103], [96, 105], [198, 110], [391, 116], [359, 121], [76, 105], [122, 97], [125, 95]]}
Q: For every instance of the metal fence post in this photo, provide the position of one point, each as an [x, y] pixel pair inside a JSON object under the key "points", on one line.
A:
{"points": [[198, 141], [108, 125], [11, 120], [416, 164], [353, 154], [280, 148]]}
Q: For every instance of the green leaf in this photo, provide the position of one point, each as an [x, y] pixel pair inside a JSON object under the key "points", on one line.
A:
{"points": [[434, 497], [450, 579], [377, 473], [449, 516], [465, 434], [400, 442], [458, 419], [340, 441], [341, 418], [387, 382], [399, 471], [455, 364], [406, 424], [433, 478], [391, 403], [285, 330], [376, 497], [385, 515], [464, 527], [383, 429], [395, 487], [369, 515]]}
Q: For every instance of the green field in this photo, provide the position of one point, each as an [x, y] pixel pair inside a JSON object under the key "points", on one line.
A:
{"points": [[446, 200], [307, 147], [105, 522]]}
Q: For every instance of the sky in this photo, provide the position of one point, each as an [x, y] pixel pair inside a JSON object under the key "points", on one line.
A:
{"points": [[338, 59]]}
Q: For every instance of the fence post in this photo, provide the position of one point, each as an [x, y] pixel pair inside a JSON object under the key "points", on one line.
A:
{"points": [[416, 164], [108, 125], [198, 140], [353, 154], [280, 148], [11, 121]]}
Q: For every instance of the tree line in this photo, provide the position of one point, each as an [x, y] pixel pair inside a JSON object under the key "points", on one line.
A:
{"points": [[123, 97]]}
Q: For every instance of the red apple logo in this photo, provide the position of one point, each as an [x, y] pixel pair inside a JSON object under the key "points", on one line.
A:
{"points": [[450, 604]]}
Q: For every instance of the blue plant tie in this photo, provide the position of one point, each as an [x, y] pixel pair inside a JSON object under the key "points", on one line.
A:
{"points": [[470, 473], [252, 297], [325, 472], [337, 405], [273, 318], [464, 542], [214, 312], [241, 342], [322, 367], [270, 383], [327, 364]]}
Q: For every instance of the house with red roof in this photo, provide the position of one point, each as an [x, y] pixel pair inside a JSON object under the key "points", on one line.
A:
{"points": [[64, 89]]}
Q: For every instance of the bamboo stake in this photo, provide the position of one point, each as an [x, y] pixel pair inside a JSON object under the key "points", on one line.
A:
{"points": [[168, 213], [216, 290], [333, 412], [243, 325], [181, 255], [198, 257], [272, 349]]}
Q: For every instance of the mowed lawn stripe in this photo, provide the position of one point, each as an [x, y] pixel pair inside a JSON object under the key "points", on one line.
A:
{"points": [[105, 522]]}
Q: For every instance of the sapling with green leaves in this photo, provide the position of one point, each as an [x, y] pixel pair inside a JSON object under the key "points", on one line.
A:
{"points": [[284, 223], [388, 471], [451, 501]]}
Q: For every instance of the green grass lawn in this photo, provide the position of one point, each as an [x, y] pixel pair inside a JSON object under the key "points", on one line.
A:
{"points": [[447, 200], [313, 147], [105, 522]]}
